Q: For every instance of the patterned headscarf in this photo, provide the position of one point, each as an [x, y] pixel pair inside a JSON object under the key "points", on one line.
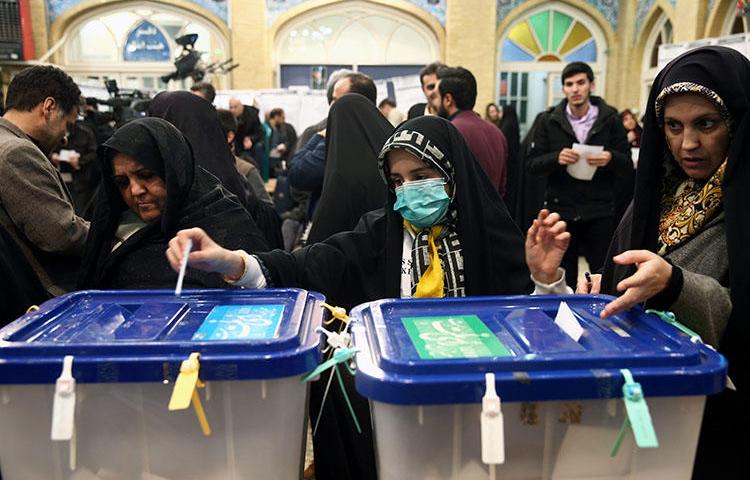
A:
{"points": [[688, 204], [443, 237]]}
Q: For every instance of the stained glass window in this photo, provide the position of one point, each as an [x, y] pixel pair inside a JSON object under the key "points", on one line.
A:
{"points": [[549, 36]]}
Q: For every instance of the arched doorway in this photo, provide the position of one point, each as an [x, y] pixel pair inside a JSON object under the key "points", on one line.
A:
{"points": [[661, 34], [733, 23], [533, 51], [370, 38], [135, 45]]}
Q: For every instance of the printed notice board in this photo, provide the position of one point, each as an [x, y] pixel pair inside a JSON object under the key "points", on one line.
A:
{"points": [[241, 322], [460, 336]]}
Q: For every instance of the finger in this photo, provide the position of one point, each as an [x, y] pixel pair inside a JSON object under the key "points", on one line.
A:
{"points": [[583, 286], [174, 262], [596, 283], [552, 218], [633, 256], [622, 303], [558, 227], [563, 239]]}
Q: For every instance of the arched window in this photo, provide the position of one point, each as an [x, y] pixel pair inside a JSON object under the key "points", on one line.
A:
{"points": [[135, 45], [370, 38], [661, 34], [733, 23], [533, 51]]}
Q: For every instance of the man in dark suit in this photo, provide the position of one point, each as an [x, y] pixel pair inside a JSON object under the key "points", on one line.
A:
{"points": [[35, 207]]}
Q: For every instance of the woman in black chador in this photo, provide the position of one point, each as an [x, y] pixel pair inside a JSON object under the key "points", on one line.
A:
{"points": [[683, 243], [151, 189]]}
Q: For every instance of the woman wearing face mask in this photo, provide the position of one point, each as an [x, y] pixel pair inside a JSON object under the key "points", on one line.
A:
{"points": [[151, 189], [440, 205], [683, 243], [444, 232]]}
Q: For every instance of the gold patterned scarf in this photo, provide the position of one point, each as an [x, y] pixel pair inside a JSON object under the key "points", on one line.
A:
{"points": [[692, 206]]}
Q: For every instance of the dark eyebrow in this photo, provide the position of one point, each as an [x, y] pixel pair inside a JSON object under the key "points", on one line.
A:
{"points": [[420, 170]]}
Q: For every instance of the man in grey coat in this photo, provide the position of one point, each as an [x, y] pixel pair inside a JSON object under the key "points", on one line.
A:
{"points": [[35, 206]]}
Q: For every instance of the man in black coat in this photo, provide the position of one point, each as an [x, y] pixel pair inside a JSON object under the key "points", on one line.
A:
{"points": [[250, 135], [586, 205]]}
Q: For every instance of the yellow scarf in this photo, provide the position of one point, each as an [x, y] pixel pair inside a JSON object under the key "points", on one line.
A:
{"points": [[431, 284], [691, 207]]}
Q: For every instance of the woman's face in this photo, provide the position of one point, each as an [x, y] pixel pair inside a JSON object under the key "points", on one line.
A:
{"points": [[141, 189], [493, 113], [628, 122], [405, 167], [696, 134]]}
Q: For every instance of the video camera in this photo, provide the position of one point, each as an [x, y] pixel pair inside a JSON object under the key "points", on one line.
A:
{"points": [[126, 105], [188, 63]]}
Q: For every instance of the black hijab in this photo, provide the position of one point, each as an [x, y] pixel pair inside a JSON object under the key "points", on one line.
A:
{"points": [[352, 185], [198, 121], [510, 128], [491, 244], [195, 198], [727, 73]]}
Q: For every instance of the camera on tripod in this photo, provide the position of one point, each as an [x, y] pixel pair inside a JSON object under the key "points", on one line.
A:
{"points": [[188, 63]]}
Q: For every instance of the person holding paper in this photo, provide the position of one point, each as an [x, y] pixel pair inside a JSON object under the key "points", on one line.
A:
{"points": [[581, 148], [682, 245]]}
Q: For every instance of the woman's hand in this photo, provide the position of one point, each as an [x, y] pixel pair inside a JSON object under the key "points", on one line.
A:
{"points": [[205, 255], [546, 242], [652, 277], [593, 287]]}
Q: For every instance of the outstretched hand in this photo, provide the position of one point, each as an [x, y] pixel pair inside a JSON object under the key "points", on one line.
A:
{"points": [[206, 254], [652, 277], [546, 243]]}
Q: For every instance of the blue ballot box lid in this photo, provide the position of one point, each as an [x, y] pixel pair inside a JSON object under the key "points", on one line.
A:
{"points": [[436, 351], [144, 335]]}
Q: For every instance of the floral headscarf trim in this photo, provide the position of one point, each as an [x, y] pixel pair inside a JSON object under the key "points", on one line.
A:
{"points": [[690, 87]]}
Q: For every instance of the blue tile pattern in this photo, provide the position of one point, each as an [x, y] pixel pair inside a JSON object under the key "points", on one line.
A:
{"points": [[55, 8], [274, 8], [644, 6], [610, 9]]}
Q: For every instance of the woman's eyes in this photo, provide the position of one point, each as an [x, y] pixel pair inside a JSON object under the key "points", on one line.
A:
{"points": [[707, 124], [121, 182], [145, 174]]}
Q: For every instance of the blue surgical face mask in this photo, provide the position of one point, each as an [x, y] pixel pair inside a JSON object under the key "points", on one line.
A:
{"points": [[423, 202]]}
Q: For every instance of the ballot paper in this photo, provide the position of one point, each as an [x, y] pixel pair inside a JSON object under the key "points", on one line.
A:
{"points": [[67, 155], [581, 169], [634, 152], [567, 321]]}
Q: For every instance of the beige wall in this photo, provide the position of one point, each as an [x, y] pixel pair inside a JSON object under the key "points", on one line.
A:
{"points": [[469, 25], [39, 26], [251, 46], [469, 38]]}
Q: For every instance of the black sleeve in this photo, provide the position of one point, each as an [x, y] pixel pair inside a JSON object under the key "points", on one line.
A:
{"points": [[619, 147], [346, 267], [541, 160]]}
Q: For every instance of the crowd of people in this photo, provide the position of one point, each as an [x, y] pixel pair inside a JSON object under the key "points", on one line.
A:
{"points": [[368, 205]]}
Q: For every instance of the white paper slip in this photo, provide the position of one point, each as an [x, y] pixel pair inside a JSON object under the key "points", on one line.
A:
{"points": [[581, 170], [634, 152], [183, 267], [67, 155], [567, 321]]}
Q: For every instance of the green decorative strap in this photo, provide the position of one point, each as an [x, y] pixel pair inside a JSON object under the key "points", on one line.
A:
{"points": [[340, 355], [670, 318], [638, 416]]}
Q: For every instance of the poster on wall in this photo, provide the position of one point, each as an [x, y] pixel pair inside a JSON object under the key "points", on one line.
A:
{"points": [[146, 43], [318, 77]]}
